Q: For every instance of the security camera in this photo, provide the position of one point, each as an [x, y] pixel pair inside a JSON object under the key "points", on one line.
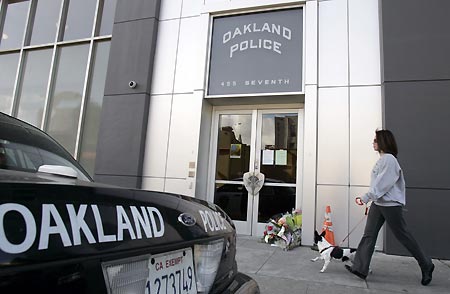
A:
{"points": [[132, 84]]}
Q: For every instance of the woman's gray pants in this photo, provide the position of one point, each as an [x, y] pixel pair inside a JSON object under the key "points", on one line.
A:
{"points": [[393, 215]]}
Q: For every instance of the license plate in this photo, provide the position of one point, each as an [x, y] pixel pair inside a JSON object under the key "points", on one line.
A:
{"points": [[171, 273]]}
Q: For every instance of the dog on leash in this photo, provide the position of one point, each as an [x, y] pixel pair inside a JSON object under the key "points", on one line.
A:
{"points": [[328, 251]]}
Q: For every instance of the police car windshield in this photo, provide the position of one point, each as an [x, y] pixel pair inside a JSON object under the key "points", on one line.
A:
{"points": [[26, 149]]}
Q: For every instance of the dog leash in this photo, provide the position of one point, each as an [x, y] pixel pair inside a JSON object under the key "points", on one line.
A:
{"points": [[348, 235]]}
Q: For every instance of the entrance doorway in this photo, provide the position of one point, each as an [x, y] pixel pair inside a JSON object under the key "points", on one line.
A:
{"points": [[257, 141]]}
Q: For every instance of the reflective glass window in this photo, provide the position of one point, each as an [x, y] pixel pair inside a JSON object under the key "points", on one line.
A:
{"points": [[8, 70], [34, 86], [233, 199], [45, 22], [67, 94], [107, 21], [80, 19], [279, 138], [233, 147], [94, 107], [14, 26], [273, 200], [26, 149]]}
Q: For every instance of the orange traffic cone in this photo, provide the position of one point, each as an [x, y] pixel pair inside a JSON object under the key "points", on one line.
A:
{"points": [[328, 226]]}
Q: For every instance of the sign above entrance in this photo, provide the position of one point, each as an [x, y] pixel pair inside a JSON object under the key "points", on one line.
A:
{"points": [[257, 53]]}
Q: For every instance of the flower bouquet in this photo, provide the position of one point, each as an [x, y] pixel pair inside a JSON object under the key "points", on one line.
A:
{"points": [[284, 230]]}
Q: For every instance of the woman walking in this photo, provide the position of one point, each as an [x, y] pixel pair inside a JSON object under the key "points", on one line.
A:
{"points": [[387, 191]]}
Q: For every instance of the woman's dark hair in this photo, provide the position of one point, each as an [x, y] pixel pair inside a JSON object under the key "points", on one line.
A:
{"points": [[386, 142]]}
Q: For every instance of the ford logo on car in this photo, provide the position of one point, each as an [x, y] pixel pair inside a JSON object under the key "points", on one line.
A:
{"points": [[187, 219]]}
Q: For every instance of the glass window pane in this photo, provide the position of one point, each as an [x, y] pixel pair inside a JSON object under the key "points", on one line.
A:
{"points": [[233, 199], [233, 147], [279, 134], [8, 70], [45, 22], [107, 21], [94, 107], [275, 200], [67, 94], [34, 86], [14, 27], [26, 149], [80, 19]]}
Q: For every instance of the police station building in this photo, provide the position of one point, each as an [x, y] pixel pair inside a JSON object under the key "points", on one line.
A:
{"points": [[192, 96]]}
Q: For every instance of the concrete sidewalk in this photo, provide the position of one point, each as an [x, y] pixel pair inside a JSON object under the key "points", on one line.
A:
{"points": [[278, 271]]}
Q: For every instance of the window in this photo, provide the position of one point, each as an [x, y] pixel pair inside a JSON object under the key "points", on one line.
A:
{"points": [[109, 8], [8, 65], [33, 90], [53, 60], [94, 107], [45, 22], [66, 97], [26, 149], [14, 26], [80, 19]]}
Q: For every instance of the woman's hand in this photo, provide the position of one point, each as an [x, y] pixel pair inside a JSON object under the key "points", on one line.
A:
{"points": [[359, 201]]}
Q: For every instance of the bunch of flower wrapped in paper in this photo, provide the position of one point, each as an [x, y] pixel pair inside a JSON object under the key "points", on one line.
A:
{"points": [[284, 230]]}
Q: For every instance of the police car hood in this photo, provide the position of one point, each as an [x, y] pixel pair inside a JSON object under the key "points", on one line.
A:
{"points": [[49, 219]]}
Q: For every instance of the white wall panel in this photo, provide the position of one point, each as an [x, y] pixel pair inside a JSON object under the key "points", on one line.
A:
{"points": [[225, 5], [180, 186], [202, 166], [191, 7], [333, 136], [311, 43], [189, 55], [253, 3], [184, 134], [203, 47], [309, 164], [157, 136], [365, 118], [333, 43], [164, 63], [337, 198], [153, 184], [356, 215], [364, 42], [170, 9], [216, 5]]}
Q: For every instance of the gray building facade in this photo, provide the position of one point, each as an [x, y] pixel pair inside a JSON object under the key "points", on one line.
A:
{"points": [[122, 131], [416, 78]]}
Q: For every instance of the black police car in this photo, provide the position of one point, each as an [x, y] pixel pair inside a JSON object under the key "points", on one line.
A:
{"points": [[62, 233]]}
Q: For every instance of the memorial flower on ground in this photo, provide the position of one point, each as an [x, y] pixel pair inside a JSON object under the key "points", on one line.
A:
{"points": [[284, 230]]}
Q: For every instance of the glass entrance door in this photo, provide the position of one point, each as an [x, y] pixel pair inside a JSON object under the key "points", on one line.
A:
{"points": [[256, 141]]}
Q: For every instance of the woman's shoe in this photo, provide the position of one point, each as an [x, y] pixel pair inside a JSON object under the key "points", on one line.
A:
{"points": [[356, 273], [427, 275]]}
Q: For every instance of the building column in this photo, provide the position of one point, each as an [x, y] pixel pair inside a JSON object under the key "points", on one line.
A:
{"points": [[123, 125]]}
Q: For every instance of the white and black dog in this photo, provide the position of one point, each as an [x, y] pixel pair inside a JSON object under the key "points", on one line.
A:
{"points": [[328, 251]]}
